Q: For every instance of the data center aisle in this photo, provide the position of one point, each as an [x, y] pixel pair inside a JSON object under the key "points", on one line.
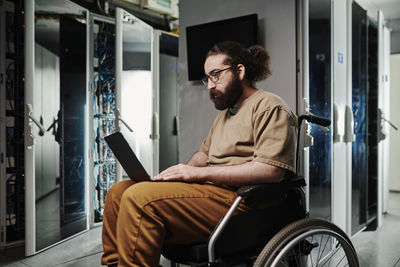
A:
{"points": [[378, 248]]}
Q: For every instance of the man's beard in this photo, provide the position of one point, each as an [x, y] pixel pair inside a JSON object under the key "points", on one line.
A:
{"points": [[229, 98]]}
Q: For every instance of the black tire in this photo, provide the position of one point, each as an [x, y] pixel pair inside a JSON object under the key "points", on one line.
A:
{"points": [[294, 243]]}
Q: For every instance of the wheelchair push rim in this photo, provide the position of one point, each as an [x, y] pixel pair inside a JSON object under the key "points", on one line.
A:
{"points": [[309, 242]]}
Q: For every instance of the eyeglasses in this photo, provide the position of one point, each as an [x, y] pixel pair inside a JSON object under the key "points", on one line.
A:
{"points": [[213, 76]]}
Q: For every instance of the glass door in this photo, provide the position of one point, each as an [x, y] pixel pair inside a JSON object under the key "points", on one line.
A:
{"points": [[359, 110], [136, 94], [373, 123], [168, 88], [55, 127], [320, 91]]}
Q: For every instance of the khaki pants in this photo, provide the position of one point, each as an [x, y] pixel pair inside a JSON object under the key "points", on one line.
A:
{"points": [[138, 218]]}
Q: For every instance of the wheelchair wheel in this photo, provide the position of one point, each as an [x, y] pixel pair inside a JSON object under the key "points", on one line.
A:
{"points": [[309, 242]]}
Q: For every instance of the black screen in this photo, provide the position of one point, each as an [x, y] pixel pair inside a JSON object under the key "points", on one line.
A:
{"points": [[201, 38]]}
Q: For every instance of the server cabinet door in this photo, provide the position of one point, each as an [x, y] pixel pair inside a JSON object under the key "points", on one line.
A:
{"points": [[135, 91], [319, 95], [168, 92], [384, 106], [358, 140], [55, 128]]}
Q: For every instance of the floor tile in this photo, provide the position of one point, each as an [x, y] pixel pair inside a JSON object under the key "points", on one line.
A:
{"points": [[91, 260], [381, 247], [81, 246]]}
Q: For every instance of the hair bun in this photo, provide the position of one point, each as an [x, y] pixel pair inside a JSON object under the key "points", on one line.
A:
{"points": [[260, 59], [255, 59]]}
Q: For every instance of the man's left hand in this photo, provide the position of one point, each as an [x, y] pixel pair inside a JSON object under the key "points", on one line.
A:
{"points": [[181, 172]]}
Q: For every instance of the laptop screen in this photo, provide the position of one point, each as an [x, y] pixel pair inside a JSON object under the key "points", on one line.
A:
{"points": [[121, 145]]}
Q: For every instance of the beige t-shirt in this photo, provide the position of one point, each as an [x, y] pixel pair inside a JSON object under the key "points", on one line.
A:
{"points": [[263, 129]]}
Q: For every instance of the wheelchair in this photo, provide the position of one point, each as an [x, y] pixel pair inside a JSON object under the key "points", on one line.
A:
{"points": [[279, 234]]}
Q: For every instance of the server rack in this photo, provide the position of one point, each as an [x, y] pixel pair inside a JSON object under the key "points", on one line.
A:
{"points": [[56, 89], [12, 194], [104, 111]]}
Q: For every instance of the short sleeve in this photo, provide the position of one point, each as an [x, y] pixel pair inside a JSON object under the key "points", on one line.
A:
{"points": [[205, 146], [275, 138]]}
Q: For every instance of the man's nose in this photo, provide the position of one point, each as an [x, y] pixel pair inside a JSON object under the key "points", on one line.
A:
{"points": [[210, 84]]}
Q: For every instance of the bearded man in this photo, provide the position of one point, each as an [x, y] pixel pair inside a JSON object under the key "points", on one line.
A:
{"points": [[251, 141]]}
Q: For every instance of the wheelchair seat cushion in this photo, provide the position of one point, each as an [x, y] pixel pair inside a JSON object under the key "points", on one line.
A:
{"points": [[245, 235]]}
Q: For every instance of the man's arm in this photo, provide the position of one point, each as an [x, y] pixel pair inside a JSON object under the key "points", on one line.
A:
{"points": [[237, 175], [198, 159]]}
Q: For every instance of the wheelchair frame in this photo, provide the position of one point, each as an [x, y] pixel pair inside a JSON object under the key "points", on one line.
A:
{"points": [[292, 235]]}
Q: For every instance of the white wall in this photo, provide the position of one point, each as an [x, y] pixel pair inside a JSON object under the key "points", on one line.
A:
{"points": [[277, 29], [395, 42], [395, 119]]}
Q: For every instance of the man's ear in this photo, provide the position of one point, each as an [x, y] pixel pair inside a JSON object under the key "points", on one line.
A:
{"points": [[241, 71]]}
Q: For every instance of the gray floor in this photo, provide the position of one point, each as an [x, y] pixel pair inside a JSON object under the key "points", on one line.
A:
{"points": [[380, 248]]}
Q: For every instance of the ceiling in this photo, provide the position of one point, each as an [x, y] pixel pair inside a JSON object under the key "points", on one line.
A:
{"points": [[390, 9]]}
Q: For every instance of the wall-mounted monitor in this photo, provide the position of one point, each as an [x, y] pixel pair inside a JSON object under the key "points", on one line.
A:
{"points": [[200, 38]]}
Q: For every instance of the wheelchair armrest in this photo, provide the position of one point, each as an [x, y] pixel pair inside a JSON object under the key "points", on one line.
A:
{"points": [[259, 193]]}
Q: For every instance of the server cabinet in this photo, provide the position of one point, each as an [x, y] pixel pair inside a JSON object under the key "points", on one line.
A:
{"points": [[133, 76], [56, 126]]}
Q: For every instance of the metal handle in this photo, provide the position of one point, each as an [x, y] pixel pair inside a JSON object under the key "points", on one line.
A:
{"points": [[390, 123], [307, 138], [126, 124], [38, 124], [175, 130], [336, 134], [29, 137], [119, 119], [156, 133], [349, 135]]}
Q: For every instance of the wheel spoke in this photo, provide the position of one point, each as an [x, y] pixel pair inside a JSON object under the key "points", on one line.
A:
{"points": [[299, 256], [341, 259], [332, 256], [295, 246], [284, 263], [327, 261], [312, 263], [326, 243], [319, 248], [295, 255]]}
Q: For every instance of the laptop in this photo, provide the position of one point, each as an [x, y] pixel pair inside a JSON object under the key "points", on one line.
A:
{"points": [[122, 143]]}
